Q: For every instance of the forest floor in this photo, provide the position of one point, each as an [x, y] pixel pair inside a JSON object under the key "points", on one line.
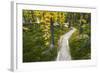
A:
{"points": [[64, 49]]}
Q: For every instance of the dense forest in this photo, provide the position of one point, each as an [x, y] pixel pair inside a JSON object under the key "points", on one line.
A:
{"points": [[43, 29]]}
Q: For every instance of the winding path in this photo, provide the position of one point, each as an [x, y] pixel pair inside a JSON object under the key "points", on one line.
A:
{"points": [[64, 51]]}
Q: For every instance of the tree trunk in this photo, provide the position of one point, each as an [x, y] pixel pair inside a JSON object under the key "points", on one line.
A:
{"points": [[52, 33]]}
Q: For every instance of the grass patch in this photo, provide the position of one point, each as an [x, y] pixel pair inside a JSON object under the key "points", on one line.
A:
{"points": [[80, 46]]}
